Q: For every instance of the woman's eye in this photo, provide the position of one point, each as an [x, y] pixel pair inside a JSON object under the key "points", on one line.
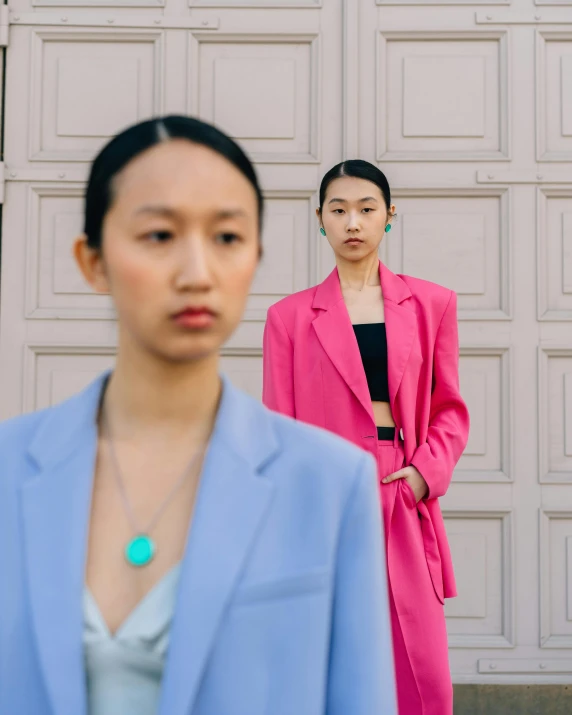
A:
{"points": [[159, 236], [338, 211], [368, 210], [227, 238]]}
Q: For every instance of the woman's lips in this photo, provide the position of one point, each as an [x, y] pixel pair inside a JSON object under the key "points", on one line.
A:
{"points": [[195, 318], [353, 241]]}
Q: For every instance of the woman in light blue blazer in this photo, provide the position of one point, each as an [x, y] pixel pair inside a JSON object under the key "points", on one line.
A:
{"points": [[167, 544]]}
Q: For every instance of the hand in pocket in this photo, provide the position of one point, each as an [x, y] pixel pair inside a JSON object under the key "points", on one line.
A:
{"points": [[413, 477]]}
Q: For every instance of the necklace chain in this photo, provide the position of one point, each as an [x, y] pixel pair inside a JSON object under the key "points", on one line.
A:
{"points": [[121, 484]]}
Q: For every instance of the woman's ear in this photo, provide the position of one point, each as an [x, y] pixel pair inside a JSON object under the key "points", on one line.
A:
{"points": [[91, 264]]}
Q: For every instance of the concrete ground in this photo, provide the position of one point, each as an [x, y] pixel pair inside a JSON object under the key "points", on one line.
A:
{"points": [[513, 699]]}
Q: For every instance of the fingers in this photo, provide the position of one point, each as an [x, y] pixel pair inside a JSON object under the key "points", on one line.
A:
{"points": [[401, 474]]}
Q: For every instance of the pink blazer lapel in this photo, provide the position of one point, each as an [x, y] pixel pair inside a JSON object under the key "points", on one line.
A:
{"points": [[336, 335], [400, 328]]}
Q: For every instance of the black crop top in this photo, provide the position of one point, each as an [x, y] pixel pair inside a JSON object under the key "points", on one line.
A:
{"points": [[372, 343]]}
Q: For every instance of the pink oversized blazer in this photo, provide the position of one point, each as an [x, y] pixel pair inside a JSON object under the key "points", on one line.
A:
{"points": [[313, 372]]}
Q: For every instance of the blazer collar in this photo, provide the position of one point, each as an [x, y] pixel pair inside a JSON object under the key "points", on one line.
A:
{"points": [[62, 426], [334, 330], [232, 500], [58, 433], [329, 292]]}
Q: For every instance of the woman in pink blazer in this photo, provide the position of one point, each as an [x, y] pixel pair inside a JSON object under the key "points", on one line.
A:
{"points": [[373, 357]]}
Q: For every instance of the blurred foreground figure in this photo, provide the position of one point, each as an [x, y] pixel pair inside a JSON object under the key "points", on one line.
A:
{"points": [[168, 544]]}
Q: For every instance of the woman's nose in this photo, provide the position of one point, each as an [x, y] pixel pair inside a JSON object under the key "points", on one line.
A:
{"points": [[193, 269], [353, 221]]}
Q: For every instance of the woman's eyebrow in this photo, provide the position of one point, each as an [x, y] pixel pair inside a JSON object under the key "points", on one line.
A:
{"points": [[230, 213], [157, 210], [361, 201]]}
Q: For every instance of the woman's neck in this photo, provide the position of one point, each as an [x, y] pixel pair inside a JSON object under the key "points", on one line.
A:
{"points": [[355, 275], [147, 395]]}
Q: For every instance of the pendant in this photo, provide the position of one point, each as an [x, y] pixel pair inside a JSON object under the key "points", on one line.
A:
{"points": [[140, 550]]}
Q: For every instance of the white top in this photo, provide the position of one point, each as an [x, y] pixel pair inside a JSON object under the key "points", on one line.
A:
{"points": [[124, 671]]}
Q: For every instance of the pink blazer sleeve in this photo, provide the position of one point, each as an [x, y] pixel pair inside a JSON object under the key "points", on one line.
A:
{"points": [[449, 418], [277, 371]]}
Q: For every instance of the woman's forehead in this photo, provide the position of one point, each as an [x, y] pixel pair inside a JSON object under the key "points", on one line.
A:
{"points": [[353, 187], [178, 173]]}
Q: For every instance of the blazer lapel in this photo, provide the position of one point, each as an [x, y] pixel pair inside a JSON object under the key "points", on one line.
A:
{"points": [[232, 502], [336, 335], [55, 512], [400, 328]]}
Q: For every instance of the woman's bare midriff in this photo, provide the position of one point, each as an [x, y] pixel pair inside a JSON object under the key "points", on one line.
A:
{"points": [[382, 414]]}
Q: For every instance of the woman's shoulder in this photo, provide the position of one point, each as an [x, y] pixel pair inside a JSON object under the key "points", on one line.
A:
{"points": [[16, 436], [314, 441], [428, 294], [39, 433], [318, 457], [296, 452], [16, 432], [290, 306]]}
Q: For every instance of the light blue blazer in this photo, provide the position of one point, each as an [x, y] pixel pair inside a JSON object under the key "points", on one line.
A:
{"points": [[282, 604]]}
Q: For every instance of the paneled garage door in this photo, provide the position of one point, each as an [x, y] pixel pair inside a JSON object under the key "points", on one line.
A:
{"points": [[466, 106]]}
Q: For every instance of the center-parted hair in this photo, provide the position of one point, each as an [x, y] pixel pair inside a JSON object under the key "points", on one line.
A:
{"points": [[135, 140], [358, 169]]}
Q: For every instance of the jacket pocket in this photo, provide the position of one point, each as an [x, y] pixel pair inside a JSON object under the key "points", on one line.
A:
{"points": [[410, 497], [291, 587]]}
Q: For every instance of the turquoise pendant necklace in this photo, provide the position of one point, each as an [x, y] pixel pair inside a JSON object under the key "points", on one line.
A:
{"points": [[141, 549]]}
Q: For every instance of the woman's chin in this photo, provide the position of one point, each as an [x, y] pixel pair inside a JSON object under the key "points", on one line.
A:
{"points": [[188, 354], [357, 253]]}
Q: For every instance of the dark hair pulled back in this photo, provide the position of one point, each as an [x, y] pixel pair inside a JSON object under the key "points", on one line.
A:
{"points": [[135, 140], [359, 169]]}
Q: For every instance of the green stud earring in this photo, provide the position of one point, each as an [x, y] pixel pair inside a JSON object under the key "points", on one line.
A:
{"points": [[322, 232], [388, 228]]}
